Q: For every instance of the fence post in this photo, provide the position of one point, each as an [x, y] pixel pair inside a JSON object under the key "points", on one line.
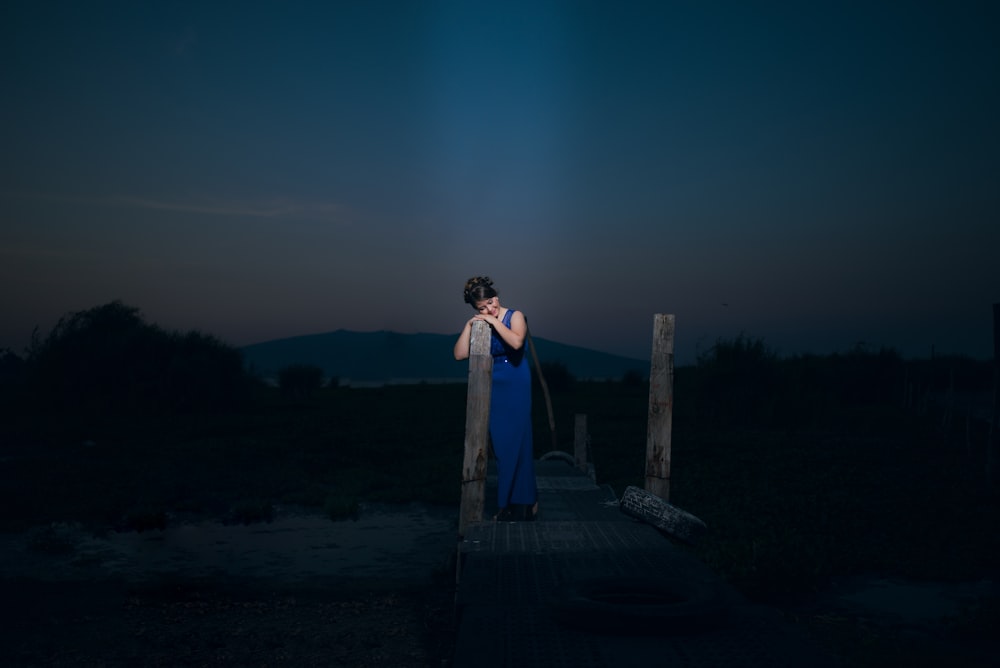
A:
{"points": [[580, 441], [477, 427], [661, 407]]}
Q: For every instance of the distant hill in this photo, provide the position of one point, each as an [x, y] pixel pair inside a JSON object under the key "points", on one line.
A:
{"points": [[384, 357]]}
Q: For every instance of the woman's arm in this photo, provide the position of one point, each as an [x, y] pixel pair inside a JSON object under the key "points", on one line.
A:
{"points": [[514, 335], [462, 345]]}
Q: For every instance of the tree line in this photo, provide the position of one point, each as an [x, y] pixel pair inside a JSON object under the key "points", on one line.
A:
{"points": [[109, 357]]}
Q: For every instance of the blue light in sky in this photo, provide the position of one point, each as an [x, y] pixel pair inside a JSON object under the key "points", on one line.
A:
{"points": [[258, 170]]}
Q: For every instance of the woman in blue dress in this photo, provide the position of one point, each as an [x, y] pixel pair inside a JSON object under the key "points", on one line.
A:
{"points": [[510, 399]]}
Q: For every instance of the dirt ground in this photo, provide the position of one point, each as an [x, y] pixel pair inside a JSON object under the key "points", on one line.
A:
{"points": [[103, 624]]}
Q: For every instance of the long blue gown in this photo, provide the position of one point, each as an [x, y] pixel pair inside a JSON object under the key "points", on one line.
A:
{"points": [[510, 423]]}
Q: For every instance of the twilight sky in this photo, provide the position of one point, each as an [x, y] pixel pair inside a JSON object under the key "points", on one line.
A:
{"points": [[815, 174]]}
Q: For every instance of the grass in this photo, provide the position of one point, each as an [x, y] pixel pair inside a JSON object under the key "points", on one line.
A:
{"points": [[820, 489], [871, 488], [804, 469], [341, 446]]}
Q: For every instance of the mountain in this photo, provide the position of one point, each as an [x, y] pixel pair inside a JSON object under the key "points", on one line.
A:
{"points": [[383, 356]]}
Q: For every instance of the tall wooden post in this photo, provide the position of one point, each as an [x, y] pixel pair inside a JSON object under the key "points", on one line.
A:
{"points": [[661, 407], [580, 440], [477, 427]]}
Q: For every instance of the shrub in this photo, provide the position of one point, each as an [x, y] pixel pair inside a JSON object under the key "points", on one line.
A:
{"points": [[11, 367], [108, 357], [12, 370], [203, 372], [736, 382]]}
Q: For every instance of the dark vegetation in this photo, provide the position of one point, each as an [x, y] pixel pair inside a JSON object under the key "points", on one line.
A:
{"points": [[804, 468], [107, 359], [111, 421]]}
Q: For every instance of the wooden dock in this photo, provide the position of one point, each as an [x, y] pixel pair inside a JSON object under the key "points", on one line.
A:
{"points": [[585, 586]]}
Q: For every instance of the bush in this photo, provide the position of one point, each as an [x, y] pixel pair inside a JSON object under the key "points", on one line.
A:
{"points": [[109, 358], [12, 369], [204, 372], [736, 382], [743, 383]]}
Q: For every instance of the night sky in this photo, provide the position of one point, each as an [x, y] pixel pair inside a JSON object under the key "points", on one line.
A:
{"points": [[818, 175]]}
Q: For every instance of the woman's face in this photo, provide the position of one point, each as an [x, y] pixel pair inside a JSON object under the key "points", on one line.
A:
{"points": [[489, 306]]}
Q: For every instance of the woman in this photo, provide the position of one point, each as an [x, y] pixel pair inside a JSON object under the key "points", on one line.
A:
{"points": [[510, 399]]}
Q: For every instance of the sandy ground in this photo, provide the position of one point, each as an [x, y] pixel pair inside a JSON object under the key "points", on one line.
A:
{"points": [[222, 624], [304, 591], [300, 591]]}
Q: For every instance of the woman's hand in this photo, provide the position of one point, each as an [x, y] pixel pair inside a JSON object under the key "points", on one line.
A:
{"points": [[462, 345], [490, 320]]}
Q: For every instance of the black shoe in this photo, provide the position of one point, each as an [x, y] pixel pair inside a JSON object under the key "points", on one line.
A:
{"points": [[504, 515]]}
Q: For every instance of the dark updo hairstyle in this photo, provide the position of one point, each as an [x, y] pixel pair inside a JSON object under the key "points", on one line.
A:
{"points": [[479, 288]]}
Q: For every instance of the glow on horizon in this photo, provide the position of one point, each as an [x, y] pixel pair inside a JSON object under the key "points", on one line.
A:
{"points": [[827, 172]]}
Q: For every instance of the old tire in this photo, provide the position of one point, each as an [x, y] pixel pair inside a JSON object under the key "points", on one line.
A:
{"points": [[640, 606], [558, 454], [650, 508]]}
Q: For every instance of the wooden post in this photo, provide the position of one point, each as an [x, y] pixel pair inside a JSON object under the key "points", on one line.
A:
{"points": [[477, 427], [661, 407], [580, 441]]}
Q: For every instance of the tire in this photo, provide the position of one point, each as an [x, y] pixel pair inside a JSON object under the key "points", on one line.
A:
{"points": [[650, 508], [640, 606], [558, 454]]}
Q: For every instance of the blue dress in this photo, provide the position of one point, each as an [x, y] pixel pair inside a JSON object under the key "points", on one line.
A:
{"points": [[510, 423]]}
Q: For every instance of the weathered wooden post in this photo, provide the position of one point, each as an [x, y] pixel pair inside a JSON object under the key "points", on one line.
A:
{"points": [[580, 439], [477, 426], [661, 407]]}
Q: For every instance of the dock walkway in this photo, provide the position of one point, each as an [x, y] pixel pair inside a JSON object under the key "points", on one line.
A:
{"points": [[537, 593]]}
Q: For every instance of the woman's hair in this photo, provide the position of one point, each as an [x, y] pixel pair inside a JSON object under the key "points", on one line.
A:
{"points": [[479, 288]]}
